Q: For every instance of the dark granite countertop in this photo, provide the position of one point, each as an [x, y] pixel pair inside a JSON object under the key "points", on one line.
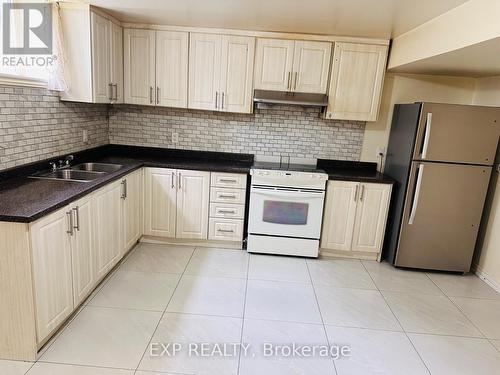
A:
{"points": [[24, 199], [353, 171]]}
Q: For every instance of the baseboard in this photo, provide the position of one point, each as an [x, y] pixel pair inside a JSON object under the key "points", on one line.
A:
{"points": [[487, 278], [328, 253], [238, 245]]}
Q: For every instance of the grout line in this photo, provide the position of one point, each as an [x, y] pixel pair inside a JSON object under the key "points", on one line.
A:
{"points": [[164, 311], [86, 365], [397, 319], [244, 308], [321, 316]]}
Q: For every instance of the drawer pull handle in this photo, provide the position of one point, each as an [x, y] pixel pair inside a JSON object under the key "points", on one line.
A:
{"points": [[225, 230], [227, 196], [228, 180], [226, 211]]}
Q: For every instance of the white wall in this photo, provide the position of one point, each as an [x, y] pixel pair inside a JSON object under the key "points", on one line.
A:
{"points": [[408, 88], [487, 260]]}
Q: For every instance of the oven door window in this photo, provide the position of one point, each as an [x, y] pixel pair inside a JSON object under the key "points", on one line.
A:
{"points": [[288, 213]]}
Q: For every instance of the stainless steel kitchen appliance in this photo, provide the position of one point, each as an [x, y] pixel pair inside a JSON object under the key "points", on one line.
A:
{"points": [[441, 155], [286, 209]]}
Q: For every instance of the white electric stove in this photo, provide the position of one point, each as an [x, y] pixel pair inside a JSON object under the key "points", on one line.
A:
{"points": [[286, 209]]}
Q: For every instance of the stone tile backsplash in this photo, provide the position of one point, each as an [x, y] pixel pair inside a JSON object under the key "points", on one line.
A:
{"points": [[35, 125], [297, 131]]}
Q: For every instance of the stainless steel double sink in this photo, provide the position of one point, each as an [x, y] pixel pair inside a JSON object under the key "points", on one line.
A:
{"points": [[84, 172]]}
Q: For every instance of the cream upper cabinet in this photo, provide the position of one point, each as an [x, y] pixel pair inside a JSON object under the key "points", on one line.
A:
{"points": [[51, 257], [83, 249], [132, 198], [273, 64], [139, 66], [204, 71], [288, 65], [356, 81], [172, 68], [371, 217], [355, 217], [311, 65], [116, 63], [101, 59], [160, 201], [93, 50], [236, 74], [192, 204], [108, 227], [339, 215]]}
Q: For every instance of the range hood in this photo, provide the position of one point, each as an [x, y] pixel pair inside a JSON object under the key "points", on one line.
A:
{"points": [[290, 98]]}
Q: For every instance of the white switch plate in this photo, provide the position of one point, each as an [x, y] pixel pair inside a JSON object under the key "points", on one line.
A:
{"points": [[85, 136], [175, 137]]}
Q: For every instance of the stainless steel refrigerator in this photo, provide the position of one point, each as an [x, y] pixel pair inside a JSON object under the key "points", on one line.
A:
{"points": [[441, 156]]}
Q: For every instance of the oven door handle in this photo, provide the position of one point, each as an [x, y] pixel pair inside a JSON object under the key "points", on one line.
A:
{"points": [[288, 194]]}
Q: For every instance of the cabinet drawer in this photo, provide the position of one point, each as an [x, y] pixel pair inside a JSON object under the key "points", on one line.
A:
{"points": [[229, 211], [225, 229], [234, 180], [226, 195]]}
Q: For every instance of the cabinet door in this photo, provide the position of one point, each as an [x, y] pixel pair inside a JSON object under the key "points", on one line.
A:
{"points": [[356, 81], [139, 66], [51, 252], [108, 227], [82, 249], [237, 73], [192, 204], [273, 64], [339, 215], [371, 217], [101, 45], [160, 202], [132, 208], [204, 71], [171, 68], [116, 63], [311, 65]]}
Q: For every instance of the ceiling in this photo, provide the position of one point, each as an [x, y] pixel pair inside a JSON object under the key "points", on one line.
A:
{"points": [[364, 18]]}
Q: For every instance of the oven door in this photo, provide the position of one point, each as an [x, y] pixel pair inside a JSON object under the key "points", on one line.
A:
{"points": [[286, 212]]}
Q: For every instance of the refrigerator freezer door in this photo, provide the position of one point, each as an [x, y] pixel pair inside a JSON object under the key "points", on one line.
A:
{"points": [[457, 134], [441, 217]]}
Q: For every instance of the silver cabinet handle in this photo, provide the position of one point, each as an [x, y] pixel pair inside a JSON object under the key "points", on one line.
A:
{"points": [[295, 81], [356, 193], [223, 95], [115, 86], [227, 180], [227, 196], [225, 230], [110, 91], [173, 177], [216, 97], [226, 211], [77, 216], [362, 193], [157, 95], [416, 194], [288, 81], [150, 94], [180, 179], [124, 189], [427, 135], [70, 223]]}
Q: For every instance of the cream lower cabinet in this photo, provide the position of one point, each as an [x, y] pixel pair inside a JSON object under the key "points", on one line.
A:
{"points": [[176, 203], [51, 257], [108, 221], [354, 218], [132, 201], [356, 81]]}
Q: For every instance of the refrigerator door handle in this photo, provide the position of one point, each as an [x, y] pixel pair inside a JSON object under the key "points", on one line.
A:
{"points": [[425, 144], [416, 194]]}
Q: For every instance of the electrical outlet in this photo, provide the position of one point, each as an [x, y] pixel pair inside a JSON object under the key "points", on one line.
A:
{"points": [[175, 137], [85, 136]]}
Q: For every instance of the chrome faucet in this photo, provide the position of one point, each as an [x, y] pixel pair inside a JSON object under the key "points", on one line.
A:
{"points": [[61, 164], [67, 160]]}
